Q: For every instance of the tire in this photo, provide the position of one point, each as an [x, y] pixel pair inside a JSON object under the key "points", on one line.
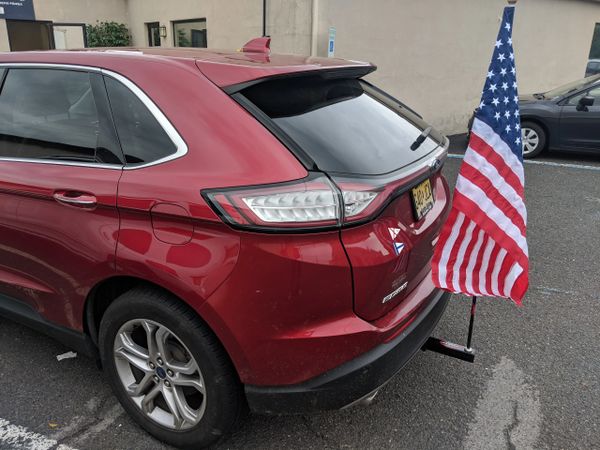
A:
{"points": [[181, 368], [534, 139]]}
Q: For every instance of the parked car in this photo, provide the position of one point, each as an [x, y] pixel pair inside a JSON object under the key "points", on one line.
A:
{"points": [[593, 67], [566, 118], [219, 229]]}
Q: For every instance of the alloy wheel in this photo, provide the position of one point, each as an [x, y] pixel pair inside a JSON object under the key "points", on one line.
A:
{"points": [[159, 374], [531, 140]]}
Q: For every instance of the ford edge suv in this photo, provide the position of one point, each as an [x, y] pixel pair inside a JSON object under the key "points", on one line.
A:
{"points": [[218, 229]]}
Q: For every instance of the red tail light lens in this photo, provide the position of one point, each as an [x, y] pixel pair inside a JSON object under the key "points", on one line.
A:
{"points": [[312, 202]]}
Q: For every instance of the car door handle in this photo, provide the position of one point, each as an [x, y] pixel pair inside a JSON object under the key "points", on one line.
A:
{"points": [[77, 199]]}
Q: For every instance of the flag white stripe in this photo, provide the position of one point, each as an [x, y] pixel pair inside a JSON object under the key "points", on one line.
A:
{"points": [[512, 276], [483, 270], [493, 176], [496, 271], [461, 255], [473, 261], [443, 265], [476, 195], [491, 138]]}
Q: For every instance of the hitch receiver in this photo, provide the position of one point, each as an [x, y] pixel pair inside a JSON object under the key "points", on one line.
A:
{"points": [[449, 349]]}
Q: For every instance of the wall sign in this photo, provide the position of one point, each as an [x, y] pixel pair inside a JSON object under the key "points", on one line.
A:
{"points": [[17, 9], [331, 43]]}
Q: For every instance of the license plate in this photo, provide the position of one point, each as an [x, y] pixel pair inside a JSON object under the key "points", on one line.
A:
{"points": [[422, 199]]}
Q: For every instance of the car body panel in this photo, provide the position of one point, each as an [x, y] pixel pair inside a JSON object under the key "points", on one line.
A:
{"points": [[389, 254], [53, 254], [567, 128], [282, 305]]}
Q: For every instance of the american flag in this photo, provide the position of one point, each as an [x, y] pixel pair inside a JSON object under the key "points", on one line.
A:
{"points": [[482, 249]]}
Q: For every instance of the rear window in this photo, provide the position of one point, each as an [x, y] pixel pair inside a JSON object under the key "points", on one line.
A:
{"points": [[344, 125]]}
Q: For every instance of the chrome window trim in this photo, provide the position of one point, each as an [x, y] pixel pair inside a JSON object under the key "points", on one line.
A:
{"points": [[181, 147]]}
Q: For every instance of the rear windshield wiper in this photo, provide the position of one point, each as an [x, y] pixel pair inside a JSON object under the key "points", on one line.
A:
{"points": [[415, 145], [539, 96]]}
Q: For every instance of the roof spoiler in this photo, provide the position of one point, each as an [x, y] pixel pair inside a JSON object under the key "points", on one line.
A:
{"points": [[258, 45]]}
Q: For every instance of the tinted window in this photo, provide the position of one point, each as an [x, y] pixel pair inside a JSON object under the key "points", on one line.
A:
{"points": [[344, 125], [572, 87], [592, 93], [50, 114], [142, 138]]}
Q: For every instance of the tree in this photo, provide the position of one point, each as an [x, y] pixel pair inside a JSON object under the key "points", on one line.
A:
{"points": [[182, 40], [108, 34]]}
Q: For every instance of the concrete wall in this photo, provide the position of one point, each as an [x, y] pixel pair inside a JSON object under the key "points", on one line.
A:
{"points": [[81, 11], [289, 24], [229, 23], [4, 45], [434, 54]]}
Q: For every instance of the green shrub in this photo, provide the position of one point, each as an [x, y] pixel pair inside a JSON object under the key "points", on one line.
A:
{"points": [[108, 34]]}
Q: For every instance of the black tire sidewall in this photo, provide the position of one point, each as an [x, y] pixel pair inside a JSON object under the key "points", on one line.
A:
{"points": [[223, 398], [542, 136]]}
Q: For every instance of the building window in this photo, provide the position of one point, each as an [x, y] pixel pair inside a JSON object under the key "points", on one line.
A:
{"points": [[153, 34], [189, 33], [595, 50]]}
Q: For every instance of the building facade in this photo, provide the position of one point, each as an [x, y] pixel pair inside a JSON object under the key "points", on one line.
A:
{"points": [[432, 54]]}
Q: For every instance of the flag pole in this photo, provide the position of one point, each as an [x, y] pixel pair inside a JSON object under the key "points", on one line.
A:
{"points": [[471, 323]]}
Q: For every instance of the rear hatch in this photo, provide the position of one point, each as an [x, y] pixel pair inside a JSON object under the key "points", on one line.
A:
{"points": [[385, 162]]}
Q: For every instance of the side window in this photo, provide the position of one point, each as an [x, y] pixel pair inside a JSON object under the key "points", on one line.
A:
{"points": [[143, 139], [595, 92], [51, 114]]}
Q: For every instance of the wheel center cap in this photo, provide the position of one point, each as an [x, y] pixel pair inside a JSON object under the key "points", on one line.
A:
{"points": [[161, 372]]}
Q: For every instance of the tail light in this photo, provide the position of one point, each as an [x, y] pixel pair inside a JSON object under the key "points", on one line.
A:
{"points": [[314, 202]]}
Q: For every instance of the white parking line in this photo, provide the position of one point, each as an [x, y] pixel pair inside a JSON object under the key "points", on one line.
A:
{"points": [[543, 163], [20, 438]]}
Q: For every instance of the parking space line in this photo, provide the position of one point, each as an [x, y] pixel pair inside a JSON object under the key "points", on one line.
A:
{"points": [[20, 438], [543, 163]]}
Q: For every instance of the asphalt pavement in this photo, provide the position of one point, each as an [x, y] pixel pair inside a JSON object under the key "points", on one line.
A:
{"points": [[535, 382]]}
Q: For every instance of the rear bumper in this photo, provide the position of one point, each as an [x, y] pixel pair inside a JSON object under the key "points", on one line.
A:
{"points": [[355, 379]]}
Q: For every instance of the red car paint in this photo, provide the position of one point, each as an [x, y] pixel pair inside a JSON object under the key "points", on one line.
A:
{"points": [[287, 307]]}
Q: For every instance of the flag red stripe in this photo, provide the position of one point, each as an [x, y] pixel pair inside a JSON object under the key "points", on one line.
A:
{"points": [[504, 270], [462, 270], [463, 204], [488, 275], [520, 287], [454, 253], [469, 172], [437, 255], [478, 264], [477, 144]]}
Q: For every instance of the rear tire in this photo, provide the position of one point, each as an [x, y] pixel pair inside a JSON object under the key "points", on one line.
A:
{"points": [[168, 370], [534, 139]]}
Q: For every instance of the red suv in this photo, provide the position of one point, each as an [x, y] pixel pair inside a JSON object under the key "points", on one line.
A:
{"points": [[219, 229]]}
